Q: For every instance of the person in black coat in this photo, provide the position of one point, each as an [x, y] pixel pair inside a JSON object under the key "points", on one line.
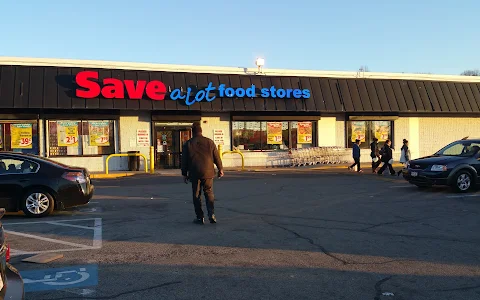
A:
{"points": [[375, 154], [387, 158]]}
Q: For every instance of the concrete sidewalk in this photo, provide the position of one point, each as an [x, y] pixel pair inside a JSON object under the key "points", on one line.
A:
{"points": [[176, 172]]}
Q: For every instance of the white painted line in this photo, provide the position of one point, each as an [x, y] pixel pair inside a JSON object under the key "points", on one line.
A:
{"points": [[93, 202], [45, 239], [400, 186], [14, 252], [462, 196], [97, 233], [43, 222], [70, 225]]}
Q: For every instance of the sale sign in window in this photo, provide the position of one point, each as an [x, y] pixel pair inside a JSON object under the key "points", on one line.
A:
{"points": [[67, 133], [21, 136]]}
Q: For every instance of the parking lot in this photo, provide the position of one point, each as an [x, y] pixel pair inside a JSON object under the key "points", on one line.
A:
{"points": [[280, 235]]}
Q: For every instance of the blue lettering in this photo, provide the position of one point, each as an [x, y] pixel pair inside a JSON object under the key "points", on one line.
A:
{"points": [[240, 92], [281, 93], [272, 92], [265, 93], [251, 91], [176, 94], [209, 89], [221, 90], [229, 92], [306, 94], [200, 95], [297, 93], [289, 93]]}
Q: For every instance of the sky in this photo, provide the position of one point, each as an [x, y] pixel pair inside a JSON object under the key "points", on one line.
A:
{"points": [[421, 36]]}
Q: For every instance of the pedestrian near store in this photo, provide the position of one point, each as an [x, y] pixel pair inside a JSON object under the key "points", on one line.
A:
{"points": [[387, 158], [356, 156], [405, 155], [198, 157], [375, 154]]}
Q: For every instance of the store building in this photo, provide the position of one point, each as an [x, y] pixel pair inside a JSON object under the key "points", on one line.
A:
{"points": [[79, 112]]}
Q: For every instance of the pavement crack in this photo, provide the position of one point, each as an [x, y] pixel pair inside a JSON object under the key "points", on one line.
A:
{"points": [[378, 287], [309, 240], [123, 293]]}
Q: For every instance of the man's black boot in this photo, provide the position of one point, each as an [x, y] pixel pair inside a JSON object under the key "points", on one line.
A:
{"points": [[199, 221]]}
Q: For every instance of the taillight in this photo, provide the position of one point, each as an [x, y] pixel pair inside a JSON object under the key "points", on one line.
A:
{"points": [[8, 252], [74, 177]]}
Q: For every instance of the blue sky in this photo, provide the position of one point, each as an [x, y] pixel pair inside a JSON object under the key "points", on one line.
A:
{"points": [[423, 36]]}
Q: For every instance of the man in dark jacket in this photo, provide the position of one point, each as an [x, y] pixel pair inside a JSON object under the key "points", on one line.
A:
{"points": [[375, 155], [387, 157], [356, 156], [198, 156]]}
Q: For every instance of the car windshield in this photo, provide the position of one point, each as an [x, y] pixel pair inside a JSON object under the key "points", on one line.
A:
{"points": [[460, 148]]}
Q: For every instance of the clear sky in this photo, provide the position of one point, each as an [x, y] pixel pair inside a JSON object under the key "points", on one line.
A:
{"points": [[424, 36]]}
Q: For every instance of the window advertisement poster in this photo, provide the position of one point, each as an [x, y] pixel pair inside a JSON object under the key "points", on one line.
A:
{"points": [[304, 135], [1, 136], [382, 130], [274, 133], [21, 136], [143, 138], [219, 136], [358, 131], [98, 132], [67, 133]]}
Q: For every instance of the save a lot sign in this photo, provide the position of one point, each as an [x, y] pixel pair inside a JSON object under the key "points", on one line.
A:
{"points": [[113, 88]]}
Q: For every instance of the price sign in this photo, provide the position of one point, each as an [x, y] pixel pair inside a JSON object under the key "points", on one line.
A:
{"points": [[67, 133], [25, 142], [21, 136]]}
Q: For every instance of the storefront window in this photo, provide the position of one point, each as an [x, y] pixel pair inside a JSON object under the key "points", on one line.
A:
{"points": [[265, 136], [79, 137], [19, 136], [365, 131]]}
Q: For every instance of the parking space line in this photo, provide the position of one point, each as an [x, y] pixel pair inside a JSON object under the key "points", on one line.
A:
{"points": [[70, 225], [43, 222], [97, 233], [462, 196], [45, 239]]}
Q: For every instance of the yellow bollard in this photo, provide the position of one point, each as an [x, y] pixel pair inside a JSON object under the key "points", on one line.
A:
{"points": [[152, 160], [220, 151]]}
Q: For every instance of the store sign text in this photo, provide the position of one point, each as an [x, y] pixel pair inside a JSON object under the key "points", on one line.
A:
{"points": [[112, 88]]}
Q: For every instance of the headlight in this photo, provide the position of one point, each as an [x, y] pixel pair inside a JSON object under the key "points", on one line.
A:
{"points": [[438, 168]]}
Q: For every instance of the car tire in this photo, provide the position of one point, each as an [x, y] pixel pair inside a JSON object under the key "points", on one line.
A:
{"points": [[37, 203], [462, 181]]}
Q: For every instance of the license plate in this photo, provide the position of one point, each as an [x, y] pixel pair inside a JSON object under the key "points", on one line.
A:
{"points": [[414, 174]]}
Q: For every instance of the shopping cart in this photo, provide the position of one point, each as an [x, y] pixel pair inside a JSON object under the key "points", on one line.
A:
{"points": [[318, 155]]}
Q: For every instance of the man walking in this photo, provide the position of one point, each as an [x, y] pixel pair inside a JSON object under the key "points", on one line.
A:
{"points": [[198, 156], [356, 156], [375, 154]]}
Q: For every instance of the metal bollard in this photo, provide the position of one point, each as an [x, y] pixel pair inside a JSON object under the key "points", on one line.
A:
{"points": [[220, 151], [152, 160]]}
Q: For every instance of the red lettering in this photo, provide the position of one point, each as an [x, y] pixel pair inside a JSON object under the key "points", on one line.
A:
{"points": [[113, 89], [156, 90], [135, 92], [83, 80]]}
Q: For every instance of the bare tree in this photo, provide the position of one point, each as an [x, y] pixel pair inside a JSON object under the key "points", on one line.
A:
{"points": [[363, 69], [475, 72]]}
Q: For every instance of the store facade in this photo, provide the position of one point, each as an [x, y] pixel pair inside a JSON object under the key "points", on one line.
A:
{"points": [[79, 112]]}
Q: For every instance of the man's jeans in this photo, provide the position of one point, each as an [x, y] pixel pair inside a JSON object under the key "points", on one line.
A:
{"points": [[207, 186]]}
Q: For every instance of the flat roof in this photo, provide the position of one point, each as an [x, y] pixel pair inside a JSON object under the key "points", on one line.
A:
{"points": [[95, 64]]}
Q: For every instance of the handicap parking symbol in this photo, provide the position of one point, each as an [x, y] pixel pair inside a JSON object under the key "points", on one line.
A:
{"points": [[61, 278]]}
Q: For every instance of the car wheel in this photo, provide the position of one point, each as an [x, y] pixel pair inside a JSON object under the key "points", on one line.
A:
{"points": [[463, 181], [37, 203]]}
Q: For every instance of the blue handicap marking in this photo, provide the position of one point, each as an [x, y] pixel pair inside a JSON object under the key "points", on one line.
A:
{"points": [[59, 279]]}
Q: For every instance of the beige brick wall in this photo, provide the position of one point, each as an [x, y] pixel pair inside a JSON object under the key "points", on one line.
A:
{"points": [[340, 133], [327, 131], [434, 133]]}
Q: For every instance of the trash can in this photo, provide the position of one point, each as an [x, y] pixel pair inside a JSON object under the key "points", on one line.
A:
{"points": [[133, 161]]}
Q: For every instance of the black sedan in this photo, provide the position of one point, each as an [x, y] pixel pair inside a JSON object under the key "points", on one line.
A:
{"points": [[456, 165], [39, 185], [11, 283]]}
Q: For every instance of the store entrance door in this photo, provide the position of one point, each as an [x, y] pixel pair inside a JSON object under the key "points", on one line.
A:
{"points": [[168, 146]]}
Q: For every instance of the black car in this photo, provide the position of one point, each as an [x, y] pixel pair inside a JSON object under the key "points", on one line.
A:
{"points": [[456, 165], [11, 283], [39, 185]]}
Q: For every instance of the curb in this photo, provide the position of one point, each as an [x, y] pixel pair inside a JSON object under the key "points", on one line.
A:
{"points": [[110, 176]]}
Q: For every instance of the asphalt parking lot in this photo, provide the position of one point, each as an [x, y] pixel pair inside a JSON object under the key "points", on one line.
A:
{"points": [[280, 235]]}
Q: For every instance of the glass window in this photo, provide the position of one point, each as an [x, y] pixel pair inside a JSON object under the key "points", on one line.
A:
{"points": [[273, 136], [17, 166], [79, 137], [464, 148], [19, 136], [365, 131]]}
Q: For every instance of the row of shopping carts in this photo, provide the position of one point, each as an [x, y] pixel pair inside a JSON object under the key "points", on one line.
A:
{"points": [[319, 155]]}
